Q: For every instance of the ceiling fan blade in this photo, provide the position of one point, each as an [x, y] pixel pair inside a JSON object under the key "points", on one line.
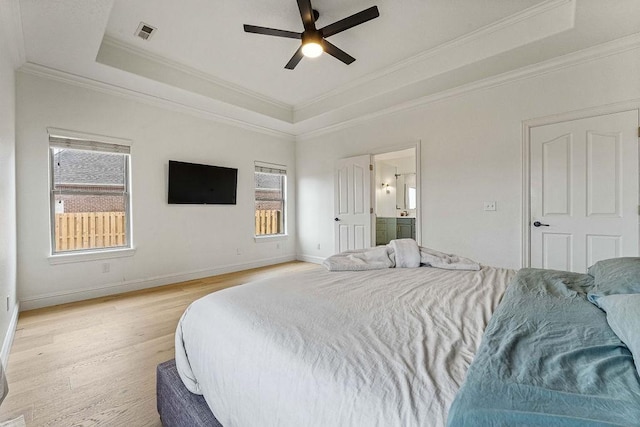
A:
{"points": [[351, 21], [306, 13], [294, 59], [272, 32], [337, 52]]}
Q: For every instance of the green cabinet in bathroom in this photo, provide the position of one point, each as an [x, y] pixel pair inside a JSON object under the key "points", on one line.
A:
{"points": [[388, 229]]}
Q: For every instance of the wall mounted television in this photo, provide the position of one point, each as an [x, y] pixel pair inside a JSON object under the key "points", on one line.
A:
{"points": [[194, 184]]}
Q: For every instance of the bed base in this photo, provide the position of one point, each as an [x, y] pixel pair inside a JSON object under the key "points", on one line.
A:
{"points": [[177, 406]]}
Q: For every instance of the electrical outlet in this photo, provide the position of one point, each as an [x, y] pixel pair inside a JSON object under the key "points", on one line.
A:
{"points": [[318, 246], [238, 251], [489, 206], [106, 267]]}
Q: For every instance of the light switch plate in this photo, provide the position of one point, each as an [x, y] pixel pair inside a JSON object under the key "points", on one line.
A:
{"points": [[490, 206]]}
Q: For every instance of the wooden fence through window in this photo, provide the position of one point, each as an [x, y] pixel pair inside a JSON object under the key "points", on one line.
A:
{"points": [[268, 222], [89, 230]]}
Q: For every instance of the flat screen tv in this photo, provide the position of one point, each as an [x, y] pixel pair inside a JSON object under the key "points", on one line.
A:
{"points": [[194, 184]]}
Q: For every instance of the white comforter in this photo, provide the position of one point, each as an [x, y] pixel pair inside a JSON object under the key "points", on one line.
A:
{"points": [[318, 348]]}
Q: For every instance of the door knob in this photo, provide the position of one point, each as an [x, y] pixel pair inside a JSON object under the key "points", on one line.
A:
{"points": [[336, 219], [539, 224]]}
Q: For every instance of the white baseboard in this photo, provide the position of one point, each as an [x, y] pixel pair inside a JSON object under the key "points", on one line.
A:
{"points": [[8, 338], [310, 258], [55, 298]]}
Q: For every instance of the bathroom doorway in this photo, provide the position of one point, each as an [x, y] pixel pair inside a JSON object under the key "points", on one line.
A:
{"points": [[397, 194]]}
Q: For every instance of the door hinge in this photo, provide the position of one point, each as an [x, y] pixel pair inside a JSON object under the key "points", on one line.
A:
{"points": [[371, 166], [639, 132], [371, 210]]}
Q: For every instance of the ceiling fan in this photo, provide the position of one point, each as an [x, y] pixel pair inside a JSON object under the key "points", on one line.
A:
{"points": [[313, 40]]}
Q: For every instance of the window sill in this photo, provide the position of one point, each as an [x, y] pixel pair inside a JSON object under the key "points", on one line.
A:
{"points": [[271, 238], [90, 256]]}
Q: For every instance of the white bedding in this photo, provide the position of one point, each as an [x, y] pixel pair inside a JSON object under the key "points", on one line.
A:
{"points": [[399, 253], [318, 348]]}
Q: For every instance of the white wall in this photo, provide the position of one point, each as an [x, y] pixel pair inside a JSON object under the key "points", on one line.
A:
{"points": [[471, 152], [173, 242], [385, 202], [405, 165], [7, 188]]}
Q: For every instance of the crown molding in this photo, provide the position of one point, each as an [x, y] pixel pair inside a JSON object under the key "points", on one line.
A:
{"points": [[312, 128], [559, 10], [126, 57], [195, 72], [157, 101], [11, 20], [593, 53]]}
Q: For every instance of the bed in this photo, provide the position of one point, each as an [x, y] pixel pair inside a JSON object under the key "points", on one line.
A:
{"points": [[408, 347], [385, 347]]}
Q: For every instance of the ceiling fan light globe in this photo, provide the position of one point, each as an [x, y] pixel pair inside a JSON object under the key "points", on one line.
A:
{"points": [[312, 49]]}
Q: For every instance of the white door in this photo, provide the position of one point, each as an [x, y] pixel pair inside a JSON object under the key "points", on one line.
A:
{"points": [[353, 203], [584, 191]]}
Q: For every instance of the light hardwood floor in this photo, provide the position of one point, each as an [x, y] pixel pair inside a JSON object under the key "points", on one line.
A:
{"points": [[93, 362]]}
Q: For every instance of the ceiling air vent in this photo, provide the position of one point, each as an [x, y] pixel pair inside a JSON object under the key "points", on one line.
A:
{"points": [[145, 31]]}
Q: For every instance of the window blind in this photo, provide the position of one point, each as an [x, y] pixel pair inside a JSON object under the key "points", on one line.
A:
{"points": [[87, 145], [272, 169]]}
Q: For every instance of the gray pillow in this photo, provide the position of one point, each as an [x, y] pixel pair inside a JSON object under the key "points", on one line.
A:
{"points": [[615, 276], [623, 315]]}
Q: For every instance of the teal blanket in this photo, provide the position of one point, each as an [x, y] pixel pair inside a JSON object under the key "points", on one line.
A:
{"points": [[549, 358]]}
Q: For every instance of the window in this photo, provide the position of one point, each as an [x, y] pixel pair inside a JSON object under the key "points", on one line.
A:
{"points": [[270, 191], [90, 200]]}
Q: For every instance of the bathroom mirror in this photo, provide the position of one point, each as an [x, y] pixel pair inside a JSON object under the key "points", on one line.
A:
{"points": [[406, 191]]}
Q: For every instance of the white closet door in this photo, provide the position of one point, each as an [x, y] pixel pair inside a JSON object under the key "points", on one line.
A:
{"points": [[584, 191]]}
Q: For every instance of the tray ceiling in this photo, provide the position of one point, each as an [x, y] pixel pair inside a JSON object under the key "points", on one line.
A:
{"points": [[201, 58]]}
